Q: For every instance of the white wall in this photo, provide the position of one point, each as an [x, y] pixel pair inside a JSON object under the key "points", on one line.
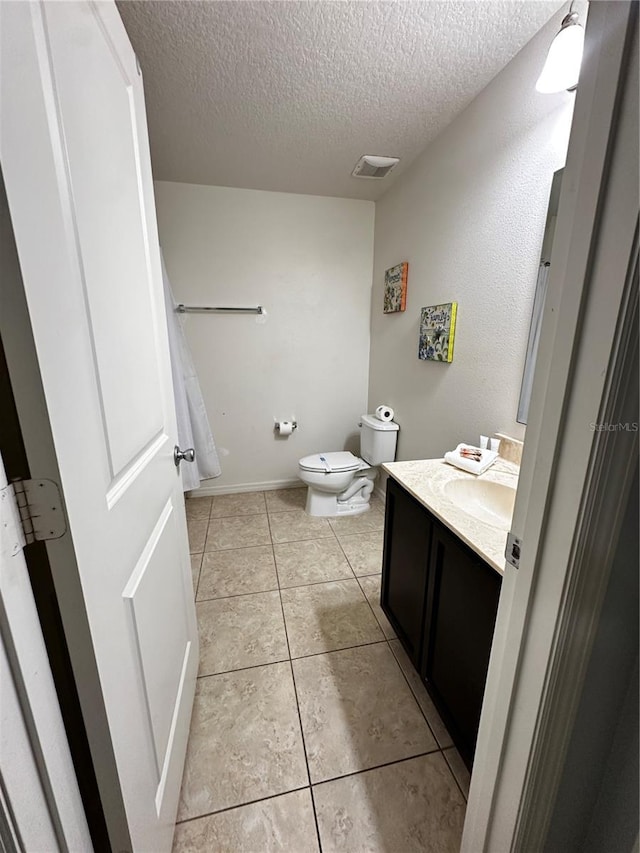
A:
{"points": [[308, 260], [469, 217]]}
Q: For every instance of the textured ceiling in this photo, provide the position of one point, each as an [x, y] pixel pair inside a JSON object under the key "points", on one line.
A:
{"points": [[288, 95]]}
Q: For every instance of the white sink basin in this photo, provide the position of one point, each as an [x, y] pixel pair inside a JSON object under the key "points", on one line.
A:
{"points": [[491, 503]]}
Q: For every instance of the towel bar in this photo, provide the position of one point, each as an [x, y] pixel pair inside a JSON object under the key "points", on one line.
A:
{"points": [[206, 309]]}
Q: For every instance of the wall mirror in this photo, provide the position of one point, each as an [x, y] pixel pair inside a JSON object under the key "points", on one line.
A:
{"points": [[539, 299]]}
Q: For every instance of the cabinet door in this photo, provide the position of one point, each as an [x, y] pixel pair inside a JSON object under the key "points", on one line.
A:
{"points": [[404, 566], [462, 601]]}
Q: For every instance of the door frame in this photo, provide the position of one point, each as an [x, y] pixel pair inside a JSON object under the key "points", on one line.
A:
{"points": [[574, 477], [29, 813]]}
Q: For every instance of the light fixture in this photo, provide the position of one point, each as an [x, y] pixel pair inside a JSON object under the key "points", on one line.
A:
{"points": [[562, 68]]}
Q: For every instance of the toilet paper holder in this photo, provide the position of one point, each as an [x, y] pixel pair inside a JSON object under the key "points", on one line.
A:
{"points": [[276, 425]]}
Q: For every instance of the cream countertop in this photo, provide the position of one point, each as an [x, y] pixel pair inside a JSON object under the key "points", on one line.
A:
{"points": [[425, 479]]}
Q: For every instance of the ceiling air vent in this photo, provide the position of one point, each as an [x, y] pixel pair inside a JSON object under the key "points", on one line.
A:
{"points": [[370, 166]]}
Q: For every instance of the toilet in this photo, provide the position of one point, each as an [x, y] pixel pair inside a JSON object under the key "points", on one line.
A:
{"points": [[340, 483]]}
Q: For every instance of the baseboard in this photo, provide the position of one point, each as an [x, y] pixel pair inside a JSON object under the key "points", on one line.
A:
{"points": [[266, 486], [206, 491]]}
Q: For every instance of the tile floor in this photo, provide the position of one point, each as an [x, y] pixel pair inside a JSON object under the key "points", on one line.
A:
{"points": [[311, 730]]}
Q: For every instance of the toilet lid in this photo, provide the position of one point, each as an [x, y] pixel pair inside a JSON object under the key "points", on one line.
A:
{"points": [[340, 460]]}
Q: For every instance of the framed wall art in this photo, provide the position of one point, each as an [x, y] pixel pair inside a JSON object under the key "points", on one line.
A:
{"points": [[437, 332], [395, 288]]}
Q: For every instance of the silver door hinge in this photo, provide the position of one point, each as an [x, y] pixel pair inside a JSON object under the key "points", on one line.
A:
{"points": [[513, 550], [37, 506]]}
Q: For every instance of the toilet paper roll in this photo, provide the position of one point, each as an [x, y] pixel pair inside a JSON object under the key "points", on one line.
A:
{"points": [[285, 428], [384, 413]]}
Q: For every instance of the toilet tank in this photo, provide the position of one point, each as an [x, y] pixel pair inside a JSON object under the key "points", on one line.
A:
{"points": [[378, 440]]}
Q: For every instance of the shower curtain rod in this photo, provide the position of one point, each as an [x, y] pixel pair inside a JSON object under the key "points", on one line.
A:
{"points": [[206, 309]]}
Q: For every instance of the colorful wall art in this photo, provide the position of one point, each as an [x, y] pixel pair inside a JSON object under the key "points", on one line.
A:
{"points": [[437, 331], [395, 288]]}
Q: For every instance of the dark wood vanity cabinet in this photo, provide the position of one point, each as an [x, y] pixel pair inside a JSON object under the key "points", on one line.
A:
{"points": [[407, 537], [460, 615], [442, 600]]}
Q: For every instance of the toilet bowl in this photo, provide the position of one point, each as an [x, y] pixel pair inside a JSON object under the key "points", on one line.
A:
{"points": [[340, 483]]}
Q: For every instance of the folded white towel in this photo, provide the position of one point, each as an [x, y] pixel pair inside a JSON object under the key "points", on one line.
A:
{"points": [[487, 458]]}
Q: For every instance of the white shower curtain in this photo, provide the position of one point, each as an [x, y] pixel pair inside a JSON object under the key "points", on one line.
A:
{"points": [[193, 424]]}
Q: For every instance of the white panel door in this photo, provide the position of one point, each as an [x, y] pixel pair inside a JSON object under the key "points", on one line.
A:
{"points": [[75, 158]]}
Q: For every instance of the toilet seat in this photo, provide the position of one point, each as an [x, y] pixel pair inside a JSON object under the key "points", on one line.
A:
{"points": [[329, 463]]}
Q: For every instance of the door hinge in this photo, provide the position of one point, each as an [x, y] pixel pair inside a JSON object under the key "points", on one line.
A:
{"points": [[513, 550], [39, 508]]}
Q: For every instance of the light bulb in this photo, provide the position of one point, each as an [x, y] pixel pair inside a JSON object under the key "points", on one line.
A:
{"points": [[562, 68]]}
